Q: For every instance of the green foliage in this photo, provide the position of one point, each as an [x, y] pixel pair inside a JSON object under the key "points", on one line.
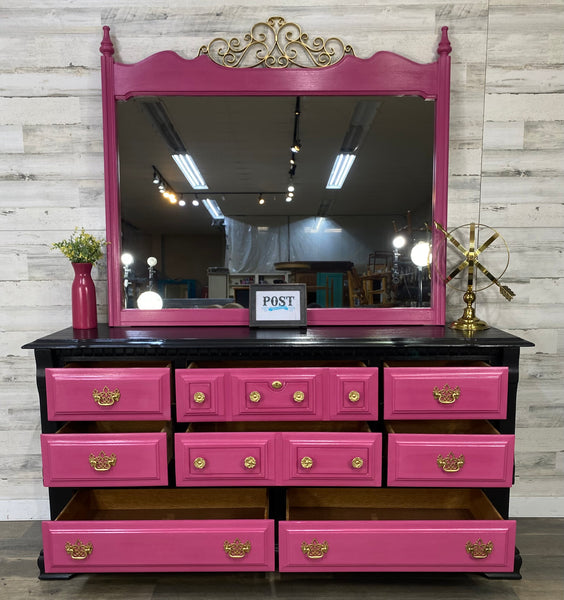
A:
{"points": [[81, 247]]}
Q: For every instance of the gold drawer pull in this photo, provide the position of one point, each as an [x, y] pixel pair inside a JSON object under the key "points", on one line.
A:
{"points": [[450, 463], [276, 385], [236, 549], [446, 394], [357, 462], [254, 396], [78, 551], [307, 462], [106, 397], [354, 396], [199, 462], [478, 549], [315, 549], [199, 397], [102, 462], [250, 462], [299, 396]]}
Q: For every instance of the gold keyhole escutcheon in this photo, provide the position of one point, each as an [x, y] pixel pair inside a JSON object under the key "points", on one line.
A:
{"points": [[357, 462], [199, 397], [254, 396], [306, 462], [354, 396], [299, 396], [276, 385], [199, 462], [250, 462]]}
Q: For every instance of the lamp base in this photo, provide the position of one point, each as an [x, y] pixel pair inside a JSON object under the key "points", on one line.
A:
{"points": [[468, 321]]}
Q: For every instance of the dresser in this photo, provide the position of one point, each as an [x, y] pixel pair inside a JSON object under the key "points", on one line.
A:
{"points": [[233, 449]]}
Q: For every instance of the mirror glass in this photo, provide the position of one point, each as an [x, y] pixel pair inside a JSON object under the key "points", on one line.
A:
{"points": [[339, 242]]}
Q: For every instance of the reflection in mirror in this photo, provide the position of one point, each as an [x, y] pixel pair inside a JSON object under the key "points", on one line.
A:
{"points": [[266, 214]]}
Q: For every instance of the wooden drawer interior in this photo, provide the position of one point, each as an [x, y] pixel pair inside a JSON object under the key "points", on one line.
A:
{"points": [[462, 427], [166, 504], [116, 427], [273, 364], [281, 426], [436, 363], [377, 504]]}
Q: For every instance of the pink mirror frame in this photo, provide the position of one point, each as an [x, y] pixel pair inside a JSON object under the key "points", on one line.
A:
{"points": [[166, 73]]}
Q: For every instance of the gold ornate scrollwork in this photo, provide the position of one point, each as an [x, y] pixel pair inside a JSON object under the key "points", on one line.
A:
{"points": [[78, 551], [237, 549], [315, 550], [106, 397], [102, 462], [254, 396], [479, 549], [446, 394], [299, 396], [199, 397], [306, 462], [199, 462], [450, 463], [250, 462], [354, 396], [276, 44], [357, 462]]}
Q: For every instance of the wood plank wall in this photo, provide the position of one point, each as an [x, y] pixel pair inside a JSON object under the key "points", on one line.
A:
{"points": [[506, 170]]}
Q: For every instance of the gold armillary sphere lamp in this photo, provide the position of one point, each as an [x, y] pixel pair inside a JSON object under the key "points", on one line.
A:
{"points": [[463, 265]]}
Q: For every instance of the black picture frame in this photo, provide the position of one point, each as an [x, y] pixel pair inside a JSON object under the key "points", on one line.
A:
{"points": [[281, 305]]}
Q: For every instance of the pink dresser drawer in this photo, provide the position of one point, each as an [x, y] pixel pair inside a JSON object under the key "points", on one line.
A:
{"points": [[353, 393], [451, 392], [283, 393], [218, 459], [105, 459], [349, 459], [160, 530], [468, 534], [449, 459], [200, 394], [110, 393]]}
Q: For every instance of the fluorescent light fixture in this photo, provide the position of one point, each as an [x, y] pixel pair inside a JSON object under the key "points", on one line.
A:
{"points": [[213, 208], [340, 170], [189, 169]]}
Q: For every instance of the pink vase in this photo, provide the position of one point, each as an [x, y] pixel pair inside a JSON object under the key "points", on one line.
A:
{"points": [[83, 297]]}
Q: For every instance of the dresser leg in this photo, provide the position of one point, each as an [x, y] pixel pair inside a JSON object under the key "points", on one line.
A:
{"points": [[46, 576], [515, 574]]}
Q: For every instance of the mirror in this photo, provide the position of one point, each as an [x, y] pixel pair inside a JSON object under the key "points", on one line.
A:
{"points": [[390, 114]]}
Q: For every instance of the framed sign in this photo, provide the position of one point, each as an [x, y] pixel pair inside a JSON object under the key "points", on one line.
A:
{"points": [[277, 305]]}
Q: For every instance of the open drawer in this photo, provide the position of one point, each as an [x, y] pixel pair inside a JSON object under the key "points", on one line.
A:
{"points": [[279, 453], [106, 453], [111, 391], [120, 530], [445, 390], [264, 390], [449, 454], [394, 530]]}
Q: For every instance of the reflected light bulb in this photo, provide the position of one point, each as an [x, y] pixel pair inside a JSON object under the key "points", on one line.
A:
{"points": [[151, 261], [126, 259], [399, 241], [420, 254], [149, 301]]}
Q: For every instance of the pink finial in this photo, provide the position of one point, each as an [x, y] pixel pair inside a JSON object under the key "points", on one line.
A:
{"points": [[106, 47], [444, 44]]}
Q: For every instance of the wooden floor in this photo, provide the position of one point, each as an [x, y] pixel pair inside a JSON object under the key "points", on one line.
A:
{"points": [[541, 542]]}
